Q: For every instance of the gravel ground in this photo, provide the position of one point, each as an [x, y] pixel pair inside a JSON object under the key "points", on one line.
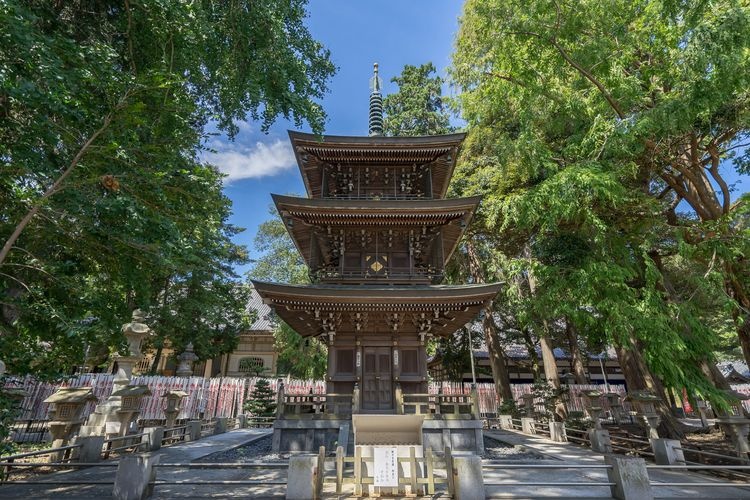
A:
{"points": [[496, 450], [257, 451], [260, 451]]}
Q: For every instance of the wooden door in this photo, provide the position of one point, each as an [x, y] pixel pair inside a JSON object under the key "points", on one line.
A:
{"points": [[377, 394]]}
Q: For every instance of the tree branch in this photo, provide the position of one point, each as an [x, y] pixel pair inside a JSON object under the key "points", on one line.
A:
{"points": [[52, 189], [611, 100]]}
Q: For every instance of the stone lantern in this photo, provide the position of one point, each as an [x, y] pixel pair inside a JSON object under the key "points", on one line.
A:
{"points": [[186, 359], [173, 406], [645, 406], [66, 415], [528, 403], [568, 379], [593, 405], [113, 417], [130, 407], [735, 425], [615, 406]]}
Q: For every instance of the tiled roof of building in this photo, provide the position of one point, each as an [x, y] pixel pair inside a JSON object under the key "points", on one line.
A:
{"points": [[727, 367], [264, 321], [518, 351]]}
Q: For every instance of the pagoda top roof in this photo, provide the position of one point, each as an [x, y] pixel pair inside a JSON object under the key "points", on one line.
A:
{"points": [[313, 152], [446, 307]]}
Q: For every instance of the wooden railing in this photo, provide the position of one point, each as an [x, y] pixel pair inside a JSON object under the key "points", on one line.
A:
{"points": [[432, 405], [314, 404], [454, 405], [421, 480]]}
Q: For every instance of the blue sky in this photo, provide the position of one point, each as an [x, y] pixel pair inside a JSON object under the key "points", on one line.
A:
{"points": [[393, 33]]}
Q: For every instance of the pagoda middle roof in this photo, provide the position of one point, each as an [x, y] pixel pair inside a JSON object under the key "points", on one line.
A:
{"points": [[296, 304], [383, 213], [313, 152]]}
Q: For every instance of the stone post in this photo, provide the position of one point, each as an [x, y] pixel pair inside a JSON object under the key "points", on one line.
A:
{"points": [[475, 402], [630, 477], [153, 437], [600, 441], [221, 425], [91, 448], [701, 405], [667, 452], [399, 395], [134, 475], [193, 430], [301, 477], [241, 421], [505, 421], [355, 399], [557, 432], [468, 479], [528, 426], [280, 400]]}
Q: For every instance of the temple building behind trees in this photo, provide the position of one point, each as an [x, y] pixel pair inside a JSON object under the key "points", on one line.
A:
{"points": [[376, 232]]}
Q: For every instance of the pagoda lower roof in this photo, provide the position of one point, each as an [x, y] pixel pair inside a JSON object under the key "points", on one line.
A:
{"points": [[445, 308], [313, 152]]}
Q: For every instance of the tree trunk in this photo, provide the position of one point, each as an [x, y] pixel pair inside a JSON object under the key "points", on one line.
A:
{"points": [[491, 338], [639, 378], [157, 358], [736, 288], [548, 355], [575, 353], [497, 358], [531, 348], [743, 333]]}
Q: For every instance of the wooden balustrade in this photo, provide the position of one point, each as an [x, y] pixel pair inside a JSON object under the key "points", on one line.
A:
{"points": [[432, 405], [315, 404]]}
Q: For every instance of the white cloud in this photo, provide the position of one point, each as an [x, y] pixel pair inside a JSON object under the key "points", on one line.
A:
{"points": [[244, 162]]}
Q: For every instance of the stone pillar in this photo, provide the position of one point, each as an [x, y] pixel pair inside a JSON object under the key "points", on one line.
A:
{"points": [[557, 432], [399, 396], [301, 481], [600, 441], [221, 425], [528, 426], [134, 473], [241, 421], [468, 479], [193, 430], [153, 437], [630, 477], [91, 448], [667, 452], [505, 421]]}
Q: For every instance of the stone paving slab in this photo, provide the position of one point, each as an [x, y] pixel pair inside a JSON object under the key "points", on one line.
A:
{"points": [[555, 453], [178, 453], [571, 453]]}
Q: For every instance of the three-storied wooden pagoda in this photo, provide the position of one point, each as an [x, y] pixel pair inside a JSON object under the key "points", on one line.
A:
{"points": [[376, 232]]}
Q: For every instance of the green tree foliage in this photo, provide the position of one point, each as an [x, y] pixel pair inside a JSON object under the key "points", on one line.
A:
{"points": [[105, 205], [590, 122], [262, 401], [417, 108], [281, 262]]}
